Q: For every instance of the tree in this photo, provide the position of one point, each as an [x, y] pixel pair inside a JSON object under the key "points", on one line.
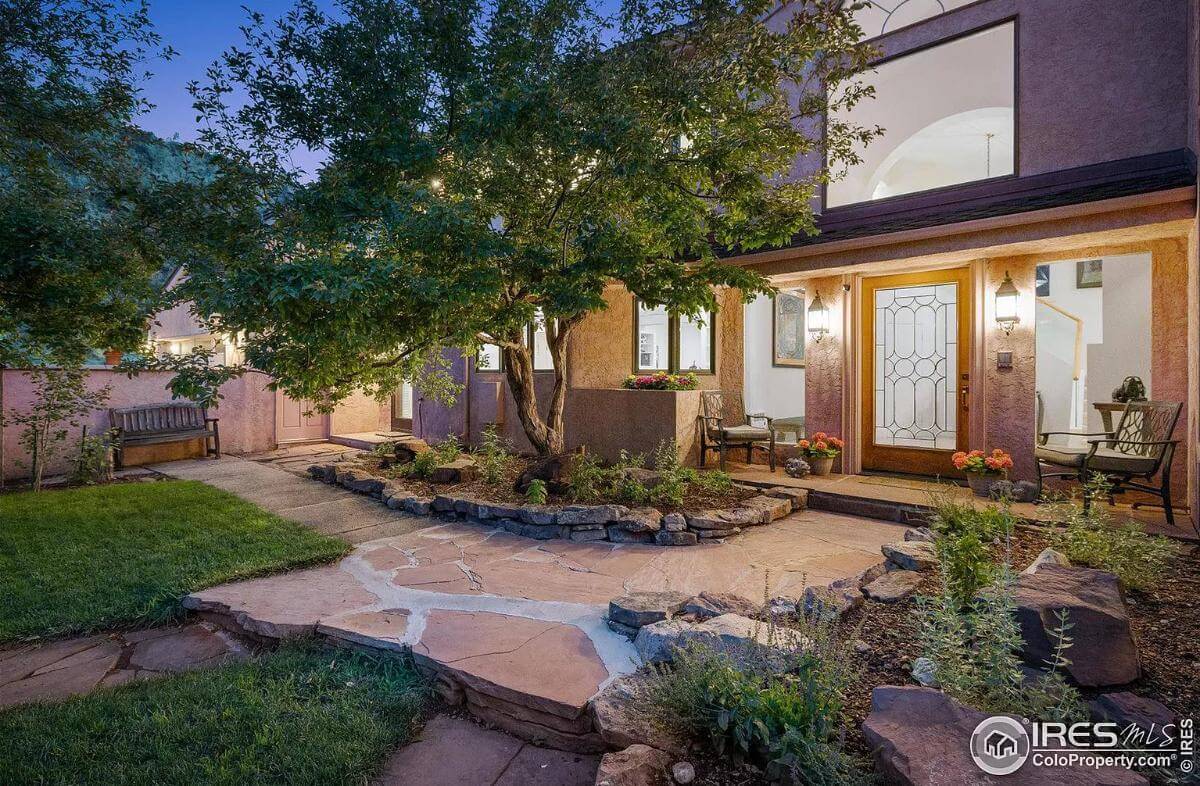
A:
{"points": [[86, 200], [484, 164]]}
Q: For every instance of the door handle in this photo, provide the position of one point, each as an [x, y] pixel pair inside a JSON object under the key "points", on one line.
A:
{"points": [[964, 397]]}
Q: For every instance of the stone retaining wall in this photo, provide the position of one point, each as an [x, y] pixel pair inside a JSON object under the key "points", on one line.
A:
{"points": [[580, 523]]}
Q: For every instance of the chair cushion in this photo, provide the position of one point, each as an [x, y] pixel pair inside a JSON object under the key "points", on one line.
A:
{"points": [[1105, 460], [1061, 455], [744, 433]]}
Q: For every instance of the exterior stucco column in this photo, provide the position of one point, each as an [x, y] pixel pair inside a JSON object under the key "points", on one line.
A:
{"points": [[1169, 343], [1010, 397], [823, 381]]}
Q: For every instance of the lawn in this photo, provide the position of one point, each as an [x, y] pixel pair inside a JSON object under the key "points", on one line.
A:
{"points": [[299, 715], [122, 555]]}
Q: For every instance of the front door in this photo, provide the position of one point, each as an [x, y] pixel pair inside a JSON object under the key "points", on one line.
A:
{"points": [[916, 333], [297, 421]]}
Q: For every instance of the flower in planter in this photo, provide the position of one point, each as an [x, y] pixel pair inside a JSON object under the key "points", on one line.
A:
{"points": [[997, 462], [821, 445], [660, 380]]}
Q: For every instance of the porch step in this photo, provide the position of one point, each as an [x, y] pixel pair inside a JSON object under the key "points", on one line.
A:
{"points": [[854, 505]]}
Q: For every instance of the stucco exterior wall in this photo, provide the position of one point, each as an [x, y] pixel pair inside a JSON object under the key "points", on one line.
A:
{"points": [[605, 421], [359, 413], [247, 417], [1077, 60], [1169, 342]]}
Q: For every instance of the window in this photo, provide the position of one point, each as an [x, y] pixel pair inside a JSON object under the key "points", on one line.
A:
{"points": [[668, 343], [184, 346], [490, 358], [948, 118], [884, 16]]}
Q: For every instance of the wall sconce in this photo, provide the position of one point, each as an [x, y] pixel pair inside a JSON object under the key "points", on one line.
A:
{"points": [[1008, 299], [818, 318]]}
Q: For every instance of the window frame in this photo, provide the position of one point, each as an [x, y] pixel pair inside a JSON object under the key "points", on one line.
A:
{"points": [[530, 331], [1014, 20], [920, 21], [673, 322]]}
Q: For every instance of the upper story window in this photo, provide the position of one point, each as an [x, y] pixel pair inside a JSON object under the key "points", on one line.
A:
{"points": [[218, 347], [491, 359], [664, 342], [884, 16], [948, 118]]}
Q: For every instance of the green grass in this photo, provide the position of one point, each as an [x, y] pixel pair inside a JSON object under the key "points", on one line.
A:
{"points": [[122, 555], [300, 715]]}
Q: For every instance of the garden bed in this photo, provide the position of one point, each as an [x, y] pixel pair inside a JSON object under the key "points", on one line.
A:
{"points": [[579, 499]]}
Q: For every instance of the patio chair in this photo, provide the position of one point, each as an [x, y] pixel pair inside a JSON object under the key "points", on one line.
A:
{"points": [[724, 422], [1140, 447]]}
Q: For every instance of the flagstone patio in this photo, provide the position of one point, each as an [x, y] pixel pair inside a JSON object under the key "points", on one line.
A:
{"points": [[515, 628]]}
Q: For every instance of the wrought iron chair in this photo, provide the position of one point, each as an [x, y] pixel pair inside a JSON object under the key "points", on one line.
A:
{"points": [[1140, 447], [724, 422]]}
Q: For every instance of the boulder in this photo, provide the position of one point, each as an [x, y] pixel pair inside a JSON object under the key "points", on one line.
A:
{"points": [[768, 508], [361, 482], [674, 522], [797, 497], [539, 515], [638, 609], [683, 773], [553, 471], [796, 467], [724, 519], [533, 530], [893, 586], [922, 737], [861, 579], [924, 671], [588, 534], [443, 503], [717, 533], [640, 520], [648, 478], [637, 765], [419, 506], [831, 603], [407, 448], [1103, 651], [461, 470], [1047, 557], [655, 643], [618, 535], [398, 501], [911, 555], [590, 514], [1126, 709], [621, 722], [919, 535], [707, 605], [326, 473], [665, 538]]}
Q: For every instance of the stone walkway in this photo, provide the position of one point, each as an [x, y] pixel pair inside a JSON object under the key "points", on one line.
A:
{"points": [[455, 752], [514, 627], [70, 667], [271, 485]]}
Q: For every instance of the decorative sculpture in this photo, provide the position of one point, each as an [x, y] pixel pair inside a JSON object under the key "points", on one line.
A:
{"points": [[1132, 389], [796, 467]]}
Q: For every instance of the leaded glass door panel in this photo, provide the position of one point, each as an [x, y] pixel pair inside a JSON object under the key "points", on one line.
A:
{"points": [[914, 339]]}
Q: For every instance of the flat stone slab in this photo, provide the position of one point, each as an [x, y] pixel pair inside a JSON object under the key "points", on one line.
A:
{"points": [[71, 667], [456, 752]]}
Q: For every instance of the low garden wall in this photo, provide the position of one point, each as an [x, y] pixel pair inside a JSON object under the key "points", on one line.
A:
{"points": [[607, 420]]}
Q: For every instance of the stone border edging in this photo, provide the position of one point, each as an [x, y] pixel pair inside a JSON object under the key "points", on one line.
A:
{"points": [[579, 523]]}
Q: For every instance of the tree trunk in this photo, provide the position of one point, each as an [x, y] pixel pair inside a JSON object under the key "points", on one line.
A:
{"points": [[545, 434]]}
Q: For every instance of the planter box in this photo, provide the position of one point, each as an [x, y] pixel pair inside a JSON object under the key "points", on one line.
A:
{"points": [[607, 420]]}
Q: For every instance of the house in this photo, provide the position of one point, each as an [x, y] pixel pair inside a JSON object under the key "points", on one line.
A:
{"points": [[1047, 143]]}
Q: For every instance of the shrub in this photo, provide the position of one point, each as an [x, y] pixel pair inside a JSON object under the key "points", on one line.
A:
{"points": [[493, 457], [973, 648], [93, 462], [422, 465], [962, 538], [714, 482], [749, 705], [1094, 538], [536, 493], [586, 479], [448, 450], [61, 400]]}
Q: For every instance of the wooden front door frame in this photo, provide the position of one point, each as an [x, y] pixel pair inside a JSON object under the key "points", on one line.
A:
{"points": [[917, 461]]}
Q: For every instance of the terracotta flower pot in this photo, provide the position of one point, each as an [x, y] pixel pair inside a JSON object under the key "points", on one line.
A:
{"points": [[821, 465], [112, 357], [982, 484]]}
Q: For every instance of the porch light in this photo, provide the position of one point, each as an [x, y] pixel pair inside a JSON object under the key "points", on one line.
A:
{"points": [[1007, 302], [818, 318]]}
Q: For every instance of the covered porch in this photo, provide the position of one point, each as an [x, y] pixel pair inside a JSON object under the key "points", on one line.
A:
{"points": [[1104, 292]]}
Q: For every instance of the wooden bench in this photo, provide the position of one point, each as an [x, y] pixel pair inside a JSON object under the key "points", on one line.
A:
{"points": [[152, 424]]}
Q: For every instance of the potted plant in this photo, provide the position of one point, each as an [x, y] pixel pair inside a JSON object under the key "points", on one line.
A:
{"points": [[661, 380], [983, 470], [820, 451]]}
